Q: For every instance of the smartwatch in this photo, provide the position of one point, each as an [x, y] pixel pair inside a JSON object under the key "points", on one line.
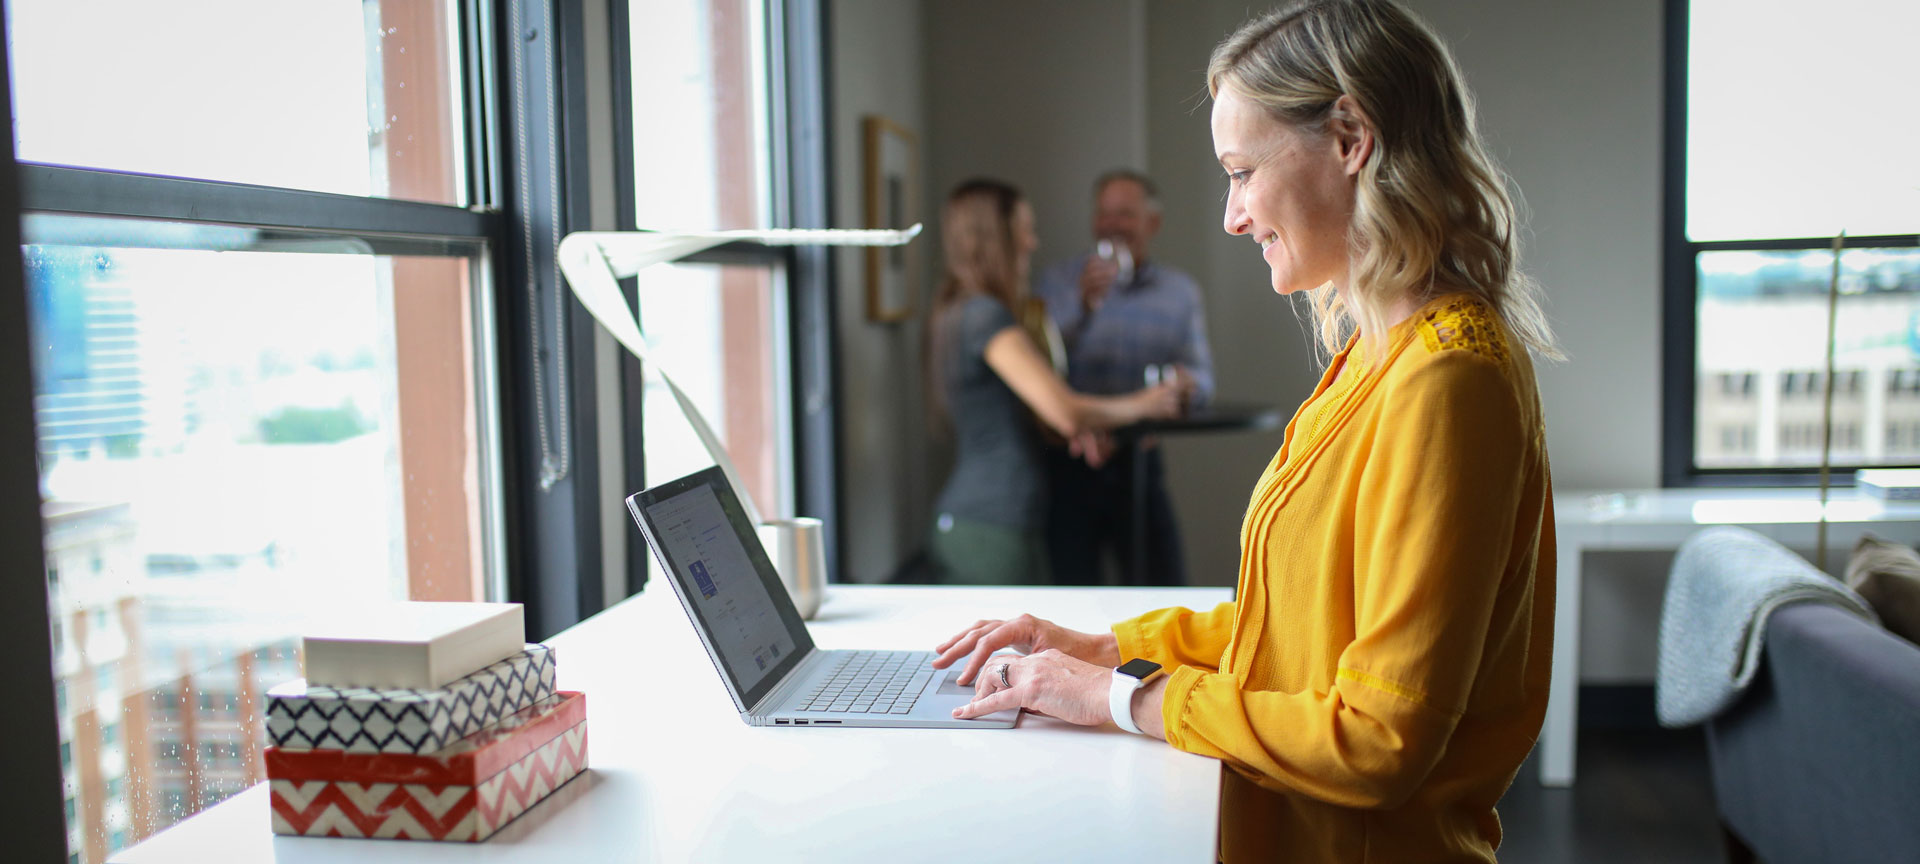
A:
{"points": [[1131, 676]]}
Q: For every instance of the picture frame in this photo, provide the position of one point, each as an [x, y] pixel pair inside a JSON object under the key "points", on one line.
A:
{"points": [[892, 181]]}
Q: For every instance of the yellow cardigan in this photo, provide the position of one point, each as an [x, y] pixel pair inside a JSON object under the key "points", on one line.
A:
{"points": [[1383, 672]]}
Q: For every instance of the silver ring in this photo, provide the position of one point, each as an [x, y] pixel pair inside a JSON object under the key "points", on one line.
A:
{"points": [[1003, 677]]}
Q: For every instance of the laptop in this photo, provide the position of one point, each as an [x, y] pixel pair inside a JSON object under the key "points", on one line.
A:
{"points": [[756, 638]]}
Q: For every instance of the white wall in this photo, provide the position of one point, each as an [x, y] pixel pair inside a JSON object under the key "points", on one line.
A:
{"points": [[875, 65], [1045, 94]]}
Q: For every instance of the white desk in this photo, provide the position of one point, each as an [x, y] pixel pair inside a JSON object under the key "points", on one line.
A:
{"points": [[1660, 520], [675, 776]]}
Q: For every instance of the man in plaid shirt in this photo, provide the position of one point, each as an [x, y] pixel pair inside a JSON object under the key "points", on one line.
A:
{"points": [[1116, 324]]}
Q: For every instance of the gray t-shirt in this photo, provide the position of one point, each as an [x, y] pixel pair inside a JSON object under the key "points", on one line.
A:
{"points": [[996, 470]]}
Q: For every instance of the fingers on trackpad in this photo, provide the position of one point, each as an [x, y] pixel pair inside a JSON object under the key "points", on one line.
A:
{"points": [[950, 684]]}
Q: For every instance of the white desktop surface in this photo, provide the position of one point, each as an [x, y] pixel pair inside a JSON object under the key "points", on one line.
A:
{"points": [[674, 775]]}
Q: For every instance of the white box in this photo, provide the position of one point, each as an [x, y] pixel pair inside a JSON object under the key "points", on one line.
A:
{"points": [[413, 645]]}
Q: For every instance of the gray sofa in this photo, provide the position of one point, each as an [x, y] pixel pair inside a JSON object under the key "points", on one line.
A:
{"points": [[1819, 760]]}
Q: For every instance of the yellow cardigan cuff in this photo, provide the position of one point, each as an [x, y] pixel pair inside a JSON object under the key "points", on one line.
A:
{"points": [[1177, 703], [1133, 642]]}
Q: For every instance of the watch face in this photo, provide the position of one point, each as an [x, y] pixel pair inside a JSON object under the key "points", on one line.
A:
{"points": [[1138, 668]]}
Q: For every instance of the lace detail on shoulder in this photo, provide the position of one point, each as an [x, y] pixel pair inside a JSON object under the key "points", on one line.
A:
{"points": [[1463, 323]]}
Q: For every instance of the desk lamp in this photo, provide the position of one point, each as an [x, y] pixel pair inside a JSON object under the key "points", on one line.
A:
{"points": [[594, 261]]}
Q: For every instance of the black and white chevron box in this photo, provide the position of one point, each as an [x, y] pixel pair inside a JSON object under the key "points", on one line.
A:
{"points": [[366, 720]]}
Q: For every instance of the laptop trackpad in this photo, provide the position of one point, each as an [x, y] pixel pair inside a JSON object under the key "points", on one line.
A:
{"points": [[951, 686]]}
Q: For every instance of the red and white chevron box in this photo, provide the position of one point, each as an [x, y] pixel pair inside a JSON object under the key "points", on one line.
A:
{"points": [[465, 792]]}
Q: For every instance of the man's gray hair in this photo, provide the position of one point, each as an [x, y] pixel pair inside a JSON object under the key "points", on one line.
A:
{"points": [[1143, 181]]}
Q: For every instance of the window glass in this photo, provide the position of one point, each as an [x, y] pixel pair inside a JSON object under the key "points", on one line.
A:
{"points": [[1760, 396], [358, 97], [698, 70], [237, 439], [1796, 119], [713, 327]]}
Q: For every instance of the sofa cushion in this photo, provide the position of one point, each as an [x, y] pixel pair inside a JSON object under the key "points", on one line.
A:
{"points": [[1816, 762], [1887, 574]]}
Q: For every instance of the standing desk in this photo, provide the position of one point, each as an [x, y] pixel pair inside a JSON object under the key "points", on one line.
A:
{"points": [[1660, 520], [674, 775]]}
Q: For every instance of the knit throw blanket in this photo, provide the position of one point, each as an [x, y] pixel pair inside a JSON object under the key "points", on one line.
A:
{"points": [[1725, 583]]}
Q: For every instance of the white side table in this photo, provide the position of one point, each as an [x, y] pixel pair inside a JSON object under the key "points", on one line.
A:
{"points": [[1662, 519]]}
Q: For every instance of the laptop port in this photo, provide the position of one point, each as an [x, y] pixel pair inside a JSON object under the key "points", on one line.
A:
{"points": [[779, 722], [799, 722], [826, 722]]}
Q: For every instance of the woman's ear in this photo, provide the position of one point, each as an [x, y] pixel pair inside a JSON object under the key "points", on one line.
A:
{"points": [[1353, 129]]}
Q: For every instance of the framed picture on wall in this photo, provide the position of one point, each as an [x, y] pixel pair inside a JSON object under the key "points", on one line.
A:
{"points": [[892, 158]]}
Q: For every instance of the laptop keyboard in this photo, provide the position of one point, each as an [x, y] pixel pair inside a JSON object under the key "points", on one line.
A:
{"points": [[872, 682]]}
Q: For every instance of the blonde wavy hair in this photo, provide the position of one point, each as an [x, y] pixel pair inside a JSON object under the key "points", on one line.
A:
{"points": [[1432, 213], [982, 258]]}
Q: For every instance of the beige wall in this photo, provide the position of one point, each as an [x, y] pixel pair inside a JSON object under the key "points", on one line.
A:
{"points": [[1045, 94], [1049, 93], [875, 64]]}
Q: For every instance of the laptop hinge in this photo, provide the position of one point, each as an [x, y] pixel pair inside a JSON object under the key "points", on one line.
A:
{"points": [[801, 672]]}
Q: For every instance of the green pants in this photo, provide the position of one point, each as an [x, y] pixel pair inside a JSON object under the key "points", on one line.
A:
{"points": [[981, 553]]}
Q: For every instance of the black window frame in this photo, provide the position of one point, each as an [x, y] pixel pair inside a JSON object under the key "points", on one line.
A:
{"points": [[799, 129], [1680, 293]]}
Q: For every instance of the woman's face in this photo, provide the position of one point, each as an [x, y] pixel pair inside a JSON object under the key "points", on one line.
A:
{"points": [[1025, 240], [1290, 190]]}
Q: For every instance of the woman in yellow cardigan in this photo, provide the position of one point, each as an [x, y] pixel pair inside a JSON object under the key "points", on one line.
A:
{"points": [[1383, 672]]}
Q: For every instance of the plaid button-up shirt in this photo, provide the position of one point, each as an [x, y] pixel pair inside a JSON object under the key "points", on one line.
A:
{"points": [[1157, 318]]}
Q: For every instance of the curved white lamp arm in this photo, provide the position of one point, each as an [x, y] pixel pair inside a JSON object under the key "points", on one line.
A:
{"points": [[594, 261]]}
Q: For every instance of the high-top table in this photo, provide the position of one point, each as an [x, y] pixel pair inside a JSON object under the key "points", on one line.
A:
{"points": [[676, 776], [1662, 519], [1215, 418]]}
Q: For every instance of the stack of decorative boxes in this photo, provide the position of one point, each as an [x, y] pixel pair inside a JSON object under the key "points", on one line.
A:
{"points": [[421, 721]]}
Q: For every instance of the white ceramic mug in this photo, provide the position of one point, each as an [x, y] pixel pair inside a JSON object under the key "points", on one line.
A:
{"points": [[799, 555]]}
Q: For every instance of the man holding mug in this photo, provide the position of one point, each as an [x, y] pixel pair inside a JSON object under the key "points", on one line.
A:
{"points": [[1122, 316]]}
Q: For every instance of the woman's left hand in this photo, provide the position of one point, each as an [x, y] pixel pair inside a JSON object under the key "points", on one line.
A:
{"points": [[1049, 683]]}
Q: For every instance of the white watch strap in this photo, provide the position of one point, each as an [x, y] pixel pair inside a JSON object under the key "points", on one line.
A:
{"points": [[1120, 700]]}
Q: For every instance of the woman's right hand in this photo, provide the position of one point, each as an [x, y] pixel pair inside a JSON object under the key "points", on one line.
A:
{"points": [[1159, 401], [1027, 635]]}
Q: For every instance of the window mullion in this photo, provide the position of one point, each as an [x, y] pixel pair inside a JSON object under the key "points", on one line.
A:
{"points": [[59, 189]]}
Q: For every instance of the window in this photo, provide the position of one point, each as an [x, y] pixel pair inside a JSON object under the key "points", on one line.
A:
{"points": [[1755, 198], [743, 327], [331, 96], [720, 324], [264, 361]]}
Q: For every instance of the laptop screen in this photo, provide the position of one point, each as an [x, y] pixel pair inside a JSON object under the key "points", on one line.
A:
{"points": [[700, 534]]}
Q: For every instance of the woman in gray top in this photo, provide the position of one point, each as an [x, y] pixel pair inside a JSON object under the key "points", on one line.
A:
{"points": [[989, 377]]}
